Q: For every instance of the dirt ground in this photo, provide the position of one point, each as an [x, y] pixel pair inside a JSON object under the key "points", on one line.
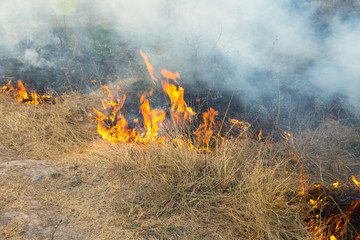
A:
{"points": [[70, 201]]}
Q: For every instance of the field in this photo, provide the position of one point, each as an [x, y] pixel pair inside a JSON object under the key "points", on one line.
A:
{"points": [[92, 189]]}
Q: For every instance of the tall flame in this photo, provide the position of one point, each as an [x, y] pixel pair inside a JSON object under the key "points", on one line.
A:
{"points": [[205, 131], [150, 68], [152, 119], [179, 109]]}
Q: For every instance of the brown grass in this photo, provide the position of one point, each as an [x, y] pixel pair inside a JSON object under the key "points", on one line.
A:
{"points": [[239, 191], [329, 153], [44, 130]]}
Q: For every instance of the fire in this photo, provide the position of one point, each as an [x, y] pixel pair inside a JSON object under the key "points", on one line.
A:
{"points": [[355, 181], [260, 135], [152, 119], [205, 131], [150, 68], [179, 109], [332, 222], [285, 135], [113, 126], [22, 95], [170, 75]]}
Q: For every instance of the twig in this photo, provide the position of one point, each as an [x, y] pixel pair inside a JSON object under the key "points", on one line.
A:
{"points": [[55, 228]]}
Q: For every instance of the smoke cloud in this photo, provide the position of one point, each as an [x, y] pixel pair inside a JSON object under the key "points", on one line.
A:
{"points": [[257, 47]]}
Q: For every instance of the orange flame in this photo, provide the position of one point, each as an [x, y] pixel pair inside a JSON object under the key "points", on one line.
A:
{"points": [[113, 126], [21, 94], [205, 131], [150, 68], [8, 88], [260, 135], [286, 135], [355, 181], [179, 109], [152, 119], [170, 75], [336, 226]]}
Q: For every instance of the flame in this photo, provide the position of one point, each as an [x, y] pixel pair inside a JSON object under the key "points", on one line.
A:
{"points": [[179, 109], [205, 131], [152, 119], [355, 181], [260, 135], [150, 68], [22, 95], [113, 126], [8, 88], [333, 225], [170, 75], [286, 135]]}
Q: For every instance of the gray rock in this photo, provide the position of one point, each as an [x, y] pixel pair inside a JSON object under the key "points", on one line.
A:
{"points": [[37, 177]]}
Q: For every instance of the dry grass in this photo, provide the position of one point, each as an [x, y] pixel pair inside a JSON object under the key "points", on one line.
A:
{"points": [[130, 191], [44, 130], [329, 153], [239, 192]]}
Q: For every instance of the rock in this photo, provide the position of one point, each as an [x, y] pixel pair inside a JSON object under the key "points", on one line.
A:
{"points": [[37, 177]]}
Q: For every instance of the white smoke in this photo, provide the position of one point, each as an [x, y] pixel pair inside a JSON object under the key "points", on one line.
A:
{"points": [[277, 37]]}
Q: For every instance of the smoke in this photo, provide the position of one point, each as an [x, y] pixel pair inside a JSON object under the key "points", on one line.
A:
{"points": [[257, 47]]}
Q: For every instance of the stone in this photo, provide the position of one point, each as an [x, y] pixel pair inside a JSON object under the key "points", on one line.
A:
{"points": [[37, 177]]}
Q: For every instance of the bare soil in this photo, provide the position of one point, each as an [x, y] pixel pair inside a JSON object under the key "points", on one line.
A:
{"points": [[69, 202]]}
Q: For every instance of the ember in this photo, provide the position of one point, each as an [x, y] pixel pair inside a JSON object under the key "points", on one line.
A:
{"points": [[335, 212]]}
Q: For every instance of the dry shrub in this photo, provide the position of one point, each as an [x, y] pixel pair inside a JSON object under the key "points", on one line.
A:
{"points": [[241, 191], [44, 130]]}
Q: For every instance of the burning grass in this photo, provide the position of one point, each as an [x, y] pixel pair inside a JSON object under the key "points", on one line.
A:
{"points": [[243, 189], [184, 178]]}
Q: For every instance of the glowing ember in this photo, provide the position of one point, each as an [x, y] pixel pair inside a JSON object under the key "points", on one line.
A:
{"points": [[333, 212], [285, 135], [336, 185]]}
